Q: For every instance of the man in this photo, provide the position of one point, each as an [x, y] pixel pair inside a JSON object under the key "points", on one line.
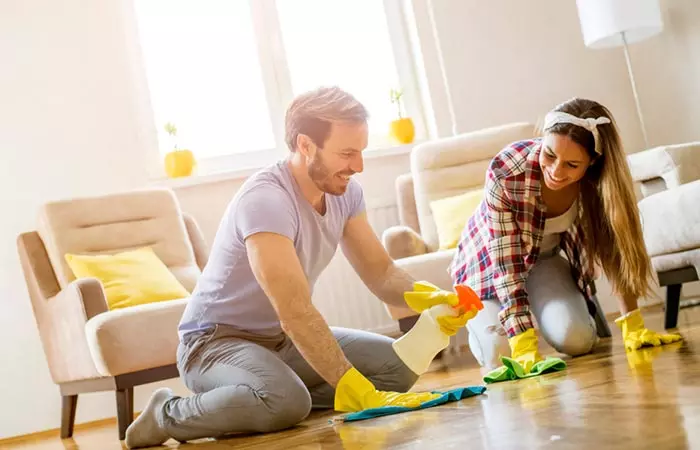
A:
{"points": [[253, 349]]}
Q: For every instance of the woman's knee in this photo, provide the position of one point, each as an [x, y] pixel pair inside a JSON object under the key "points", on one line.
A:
{"points": [[488, 345], [574, 338], [487, 338]]}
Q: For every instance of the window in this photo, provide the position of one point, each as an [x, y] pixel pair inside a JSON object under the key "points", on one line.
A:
{"points": [[348, 44], [204, 75], [224, 71]]}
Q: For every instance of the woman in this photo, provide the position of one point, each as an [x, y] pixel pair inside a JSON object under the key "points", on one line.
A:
{"points": [[570, 190]]}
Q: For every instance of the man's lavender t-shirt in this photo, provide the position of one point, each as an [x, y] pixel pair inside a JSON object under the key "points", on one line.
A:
{"points": [[269, 201]]}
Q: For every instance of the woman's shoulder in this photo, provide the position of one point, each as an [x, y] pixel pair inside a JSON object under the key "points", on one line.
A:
{"points": [[513, 158]]}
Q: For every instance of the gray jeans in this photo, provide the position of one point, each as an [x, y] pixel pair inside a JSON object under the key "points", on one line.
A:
{"points": [[558, 306], [250, 383]]}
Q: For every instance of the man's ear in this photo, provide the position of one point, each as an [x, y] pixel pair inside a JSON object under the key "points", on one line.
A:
{"points": [[305, 145]]}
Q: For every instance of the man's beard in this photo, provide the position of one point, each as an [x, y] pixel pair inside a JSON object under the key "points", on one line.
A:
{"points": [[322, 177]]}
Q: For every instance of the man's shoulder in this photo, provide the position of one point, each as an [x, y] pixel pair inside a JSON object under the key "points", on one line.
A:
{"points": [[269, 184], [351, 201], [512, 160], [354, 190]]}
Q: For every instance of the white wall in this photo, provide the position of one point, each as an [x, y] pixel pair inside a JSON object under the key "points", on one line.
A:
{"points": [[508, 60], [70, 95], [69, 126], [66, 102]]}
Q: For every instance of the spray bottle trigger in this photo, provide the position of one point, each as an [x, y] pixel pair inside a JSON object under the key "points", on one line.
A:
{"points": [[468, 298]]}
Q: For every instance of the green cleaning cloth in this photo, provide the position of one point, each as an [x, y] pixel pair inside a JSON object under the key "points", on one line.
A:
{"points": [[452, 395], [512, 370]]}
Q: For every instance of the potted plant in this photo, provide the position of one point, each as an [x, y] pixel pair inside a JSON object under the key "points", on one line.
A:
{"points": [[402, 129], [178, 162]]}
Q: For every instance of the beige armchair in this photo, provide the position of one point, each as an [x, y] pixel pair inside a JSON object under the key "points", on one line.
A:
{"points": [[88, 347], [669, 179], [439, 169]]}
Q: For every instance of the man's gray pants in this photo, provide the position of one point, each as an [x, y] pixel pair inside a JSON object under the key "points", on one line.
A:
{"points": [[253, 383]]}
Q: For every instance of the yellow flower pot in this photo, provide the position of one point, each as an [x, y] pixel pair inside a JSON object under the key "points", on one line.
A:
{"points": [[179, 163], [403, 131]]}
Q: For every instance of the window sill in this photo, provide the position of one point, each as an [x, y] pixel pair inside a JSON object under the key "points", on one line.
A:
{"points": [[239, 174]]}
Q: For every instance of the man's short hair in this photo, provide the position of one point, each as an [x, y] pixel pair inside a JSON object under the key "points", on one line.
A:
{"points": [[312, 113]]}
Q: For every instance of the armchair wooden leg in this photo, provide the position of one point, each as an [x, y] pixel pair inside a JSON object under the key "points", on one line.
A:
{"points": [[69, 405], [407, 323], [673, 303], [125, 410]]}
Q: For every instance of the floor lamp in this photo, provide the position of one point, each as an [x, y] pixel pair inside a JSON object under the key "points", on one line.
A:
{"points": [[614, 23]]}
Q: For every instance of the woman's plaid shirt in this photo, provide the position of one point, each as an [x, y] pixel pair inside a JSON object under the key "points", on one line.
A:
{"points": [[501, 241]]}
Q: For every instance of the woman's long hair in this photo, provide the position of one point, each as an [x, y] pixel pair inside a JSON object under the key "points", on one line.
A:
{"points": [[610, 217]]}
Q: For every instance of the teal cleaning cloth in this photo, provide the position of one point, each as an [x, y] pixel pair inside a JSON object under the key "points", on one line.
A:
{"points": [[452, 395], [512, 370]]}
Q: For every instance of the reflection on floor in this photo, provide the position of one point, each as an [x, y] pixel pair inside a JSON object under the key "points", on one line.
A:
{"points": [[609, 399]]}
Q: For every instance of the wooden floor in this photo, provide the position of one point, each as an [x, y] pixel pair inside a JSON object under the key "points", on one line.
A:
{"points": [[646, 400]]}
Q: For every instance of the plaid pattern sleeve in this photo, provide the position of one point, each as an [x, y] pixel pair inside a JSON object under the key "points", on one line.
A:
{"points": [[495, 251], [508, 255]]}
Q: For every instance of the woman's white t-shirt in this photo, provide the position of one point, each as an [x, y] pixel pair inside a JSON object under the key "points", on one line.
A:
{"points": [[554, 226]]}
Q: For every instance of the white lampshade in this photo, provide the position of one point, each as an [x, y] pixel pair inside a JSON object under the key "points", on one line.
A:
{"points": [[603, 21]]}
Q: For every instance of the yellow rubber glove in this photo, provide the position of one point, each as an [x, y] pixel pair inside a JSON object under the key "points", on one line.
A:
{"points": [[523, 348], [450, 325], [635, 335], [425, 295], [354, 392]]}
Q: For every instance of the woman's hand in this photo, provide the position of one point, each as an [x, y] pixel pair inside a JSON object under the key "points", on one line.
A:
{"points": [[523, 348], [636, 335]]}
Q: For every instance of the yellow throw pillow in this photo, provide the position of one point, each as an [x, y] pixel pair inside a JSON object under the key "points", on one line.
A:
{"points": [[129, 278], [451, 215]]}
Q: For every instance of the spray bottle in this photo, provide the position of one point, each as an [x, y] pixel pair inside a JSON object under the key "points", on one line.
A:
{"points": [[418, 347]]}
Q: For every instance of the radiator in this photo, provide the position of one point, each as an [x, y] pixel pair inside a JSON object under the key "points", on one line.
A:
{"points": [[340, 295]]}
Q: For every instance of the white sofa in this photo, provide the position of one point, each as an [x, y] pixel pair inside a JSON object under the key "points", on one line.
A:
{"points": [[669, 179]]}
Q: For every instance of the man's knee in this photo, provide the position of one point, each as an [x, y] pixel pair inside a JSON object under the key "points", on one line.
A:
{"points": [[293, 407], [404, 379], [283, 406], [396, 375]]}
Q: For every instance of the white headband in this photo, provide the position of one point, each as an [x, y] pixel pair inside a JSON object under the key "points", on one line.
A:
{"points": [[590, 124]]}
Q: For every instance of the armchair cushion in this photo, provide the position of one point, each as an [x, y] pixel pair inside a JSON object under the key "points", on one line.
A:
{"points": [[665, 167], [129, 278], [670, 219], [452, 213], [401, 242], [127, 340]]}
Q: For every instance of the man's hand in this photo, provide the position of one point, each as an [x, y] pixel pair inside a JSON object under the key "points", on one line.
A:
{"points": [[425, 295], [450, 324], [277, 269], [355, 393]]}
